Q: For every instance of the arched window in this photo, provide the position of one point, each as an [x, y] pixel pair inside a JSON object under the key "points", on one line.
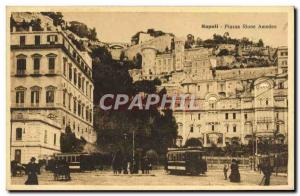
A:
{"points": [[20, 95], [35, 95], [51, 62], [21, 64], [50, 95], [36, 63]]}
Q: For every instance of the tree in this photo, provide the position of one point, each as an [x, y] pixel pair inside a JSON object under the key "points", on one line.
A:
{"points": [[69, 143], [193, 142], [153, 129], [57, 17], [190, 41], [260, 43]]}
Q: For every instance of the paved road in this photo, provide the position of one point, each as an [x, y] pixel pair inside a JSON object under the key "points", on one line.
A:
{"points": [[157, 177]]}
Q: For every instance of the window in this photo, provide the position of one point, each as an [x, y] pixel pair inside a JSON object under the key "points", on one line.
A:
{"points": [[79, 109], [50, 96], [64, 66], [18, 155], [54, 139], [280, 85], [20, 97], [234, 128], [79, 81], [278, 128], [52, 39], [45, 136], [22, 40], [74, 106], [233, 115], [51, 64], [199, 116], [267, 101], [192, 129], [37, 40], [21, 66], [87, 113], [213, 127], [226, 116], [19, 133], [36, 65], [35, 97], [70, 72], [69, 101], [199, 88], [75, 76], [64, 98], [246, 116]]}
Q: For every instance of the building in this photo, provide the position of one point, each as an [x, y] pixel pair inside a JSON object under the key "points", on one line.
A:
{"points": [[234, 105], [281, 59], [51, 87]]}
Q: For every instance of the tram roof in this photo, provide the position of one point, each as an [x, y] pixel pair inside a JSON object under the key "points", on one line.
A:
{"points": [[186, 149]]}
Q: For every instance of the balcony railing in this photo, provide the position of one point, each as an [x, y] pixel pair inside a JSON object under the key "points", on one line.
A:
{"points": [[20, 105], [50, 104], [21, 72], [35, 104], [51, 71], [36, 71]]}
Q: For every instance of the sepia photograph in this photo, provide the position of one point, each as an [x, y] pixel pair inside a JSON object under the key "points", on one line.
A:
{"points": [[150, 98]]}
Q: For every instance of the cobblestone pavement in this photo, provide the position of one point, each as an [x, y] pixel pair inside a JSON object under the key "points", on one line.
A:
{"points": [[156, 177]]}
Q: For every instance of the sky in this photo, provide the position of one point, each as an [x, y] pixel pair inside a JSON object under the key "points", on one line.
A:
{"points": [[121, 26]]}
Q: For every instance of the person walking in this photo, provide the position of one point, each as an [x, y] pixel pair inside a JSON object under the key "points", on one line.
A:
{"points": [[267, 171], [225, 170], [32, 171], [235, 174]]}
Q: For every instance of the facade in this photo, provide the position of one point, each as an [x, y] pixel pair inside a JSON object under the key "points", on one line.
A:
{"points": [[234, 105], [51, 87]]}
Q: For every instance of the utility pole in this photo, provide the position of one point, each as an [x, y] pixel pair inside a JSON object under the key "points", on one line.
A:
{"points": [[133, 146], [253, 148]]}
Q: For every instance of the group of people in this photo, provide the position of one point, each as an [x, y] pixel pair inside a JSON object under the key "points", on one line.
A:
{"points": [[235, 176], [121, 164]]}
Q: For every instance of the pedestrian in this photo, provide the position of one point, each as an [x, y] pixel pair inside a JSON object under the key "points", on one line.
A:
{"points": [[267, 171], [147, 165], [225, 170], [114, 164], [143, 164], [32, 171], [235, 174]]}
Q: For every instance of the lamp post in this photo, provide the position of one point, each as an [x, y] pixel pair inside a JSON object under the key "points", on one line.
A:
{"points": [[254, 147]]}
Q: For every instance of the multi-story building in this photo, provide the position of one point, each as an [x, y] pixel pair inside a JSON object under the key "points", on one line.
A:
{"points": [[281, 59], [234, 105], [51, 87]]}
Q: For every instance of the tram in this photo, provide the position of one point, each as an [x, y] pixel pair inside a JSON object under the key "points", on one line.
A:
{"points": [[186, 161], [82, 161]]}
